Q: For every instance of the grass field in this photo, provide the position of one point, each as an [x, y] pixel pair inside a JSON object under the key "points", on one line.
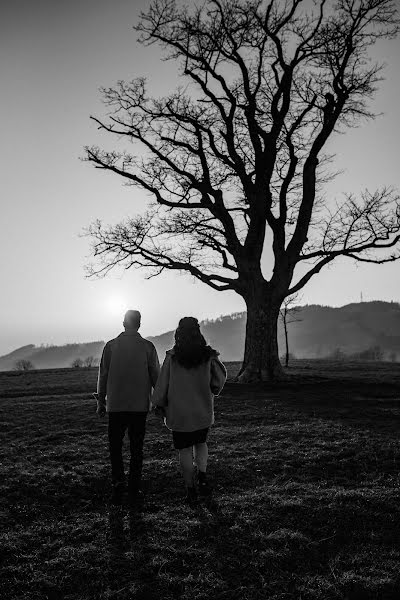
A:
{"points": [[307, 494]]}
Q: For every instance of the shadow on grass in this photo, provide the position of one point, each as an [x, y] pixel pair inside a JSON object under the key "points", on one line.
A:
{"points": [[128, 554]]}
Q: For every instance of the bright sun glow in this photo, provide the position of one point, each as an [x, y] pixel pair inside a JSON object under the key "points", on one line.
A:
{"points": [[117, 306]]}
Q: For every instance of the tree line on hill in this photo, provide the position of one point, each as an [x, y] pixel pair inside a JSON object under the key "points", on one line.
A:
{"points": [[24, 364], [374, 353]]}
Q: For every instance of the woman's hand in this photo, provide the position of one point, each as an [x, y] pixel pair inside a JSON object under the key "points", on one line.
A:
{"points": [[159, 411]]}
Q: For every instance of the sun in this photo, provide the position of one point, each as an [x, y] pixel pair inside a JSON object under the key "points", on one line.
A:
{"points": [[116, 305]]}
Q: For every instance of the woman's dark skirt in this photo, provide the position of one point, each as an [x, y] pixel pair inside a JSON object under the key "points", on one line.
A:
{"points": [[185, 439]]}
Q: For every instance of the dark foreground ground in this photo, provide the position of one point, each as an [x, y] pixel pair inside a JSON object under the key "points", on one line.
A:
{"points": [[307, 494]]}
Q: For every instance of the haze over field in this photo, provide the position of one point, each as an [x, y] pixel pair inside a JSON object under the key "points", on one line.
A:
{"points": [[54, 58], [320, 331]]}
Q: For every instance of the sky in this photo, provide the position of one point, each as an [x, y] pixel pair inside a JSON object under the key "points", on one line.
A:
{"points": [[54, 57]]}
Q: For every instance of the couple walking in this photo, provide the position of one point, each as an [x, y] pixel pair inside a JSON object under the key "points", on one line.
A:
{"points": [[183, 393]]}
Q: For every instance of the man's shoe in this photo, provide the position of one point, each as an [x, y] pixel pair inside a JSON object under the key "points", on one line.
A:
{"points": [[191, 496], [117, 493], [135, 497], [203, 485]]}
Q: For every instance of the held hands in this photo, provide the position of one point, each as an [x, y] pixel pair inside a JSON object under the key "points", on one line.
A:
{"points": [[159, 411]]}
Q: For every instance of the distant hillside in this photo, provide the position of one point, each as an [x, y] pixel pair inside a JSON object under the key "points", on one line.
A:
{"points": [[320, 331], [351, 328], [49, 357]]}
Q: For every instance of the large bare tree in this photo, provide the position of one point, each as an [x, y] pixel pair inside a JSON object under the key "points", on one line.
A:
{"points": [[236, 161]]}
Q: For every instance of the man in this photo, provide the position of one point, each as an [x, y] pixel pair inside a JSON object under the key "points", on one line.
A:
{"points": [[128, 370]]}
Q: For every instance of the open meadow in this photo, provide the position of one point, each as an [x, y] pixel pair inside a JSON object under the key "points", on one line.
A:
{"points": [[306, 494]]}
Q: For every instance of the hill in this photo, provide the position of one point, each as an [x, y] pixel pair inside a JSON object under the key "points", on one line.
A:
{"points": [[352, 328], [319, 332], [51, 357]]}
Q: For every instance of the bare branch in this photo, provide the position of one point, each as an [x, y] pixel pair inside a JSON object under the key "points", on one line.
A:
{"points": [[137, 243]]}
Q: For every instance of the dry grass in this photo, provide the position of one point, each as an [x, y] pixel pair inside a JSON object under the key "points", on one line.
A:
{"points": [[307, 495]]}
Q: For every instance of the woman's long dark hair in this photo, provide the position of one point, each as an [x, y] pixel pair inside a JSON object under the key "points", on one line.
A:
{"points": [[190, 348]]}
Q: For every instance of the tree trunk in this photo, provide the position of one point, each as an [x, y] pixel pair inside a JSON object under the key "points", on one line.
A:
{"points": [[286, 341], [261, 359]]}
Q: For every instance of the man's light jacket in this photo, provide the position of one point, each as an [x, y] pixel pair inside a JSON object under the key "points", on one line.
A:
{"points": [[128, 371]]}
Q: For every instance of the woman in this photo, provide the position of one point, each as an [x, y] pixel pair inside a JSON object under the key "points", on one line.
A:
{"points": [[190, 377]]}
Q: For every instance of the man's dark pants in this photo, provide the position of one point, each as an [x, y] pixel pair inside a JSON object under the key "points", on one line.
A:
{"points": [[118, 423]]}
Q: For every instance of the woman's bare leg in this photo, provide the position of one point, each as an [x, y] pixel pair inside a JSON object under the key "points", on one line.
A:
{"points": [[201, 456], [186, 463]]}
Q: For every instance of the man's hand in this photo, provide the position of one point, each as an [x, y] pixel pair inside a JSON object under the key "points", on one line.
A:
{"points": [[101, 409]]}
